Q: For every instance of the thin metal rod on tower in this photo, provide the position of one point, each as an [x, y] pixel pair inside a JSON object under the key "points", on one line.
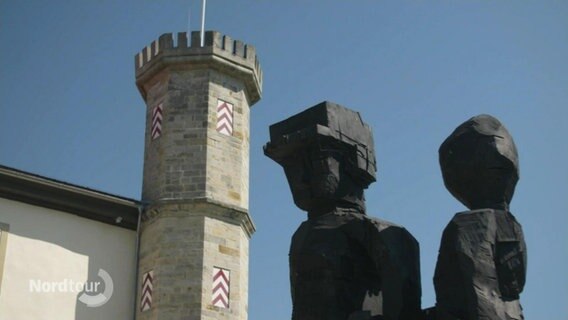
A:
{"points": [[203, 5], [188, 34]]}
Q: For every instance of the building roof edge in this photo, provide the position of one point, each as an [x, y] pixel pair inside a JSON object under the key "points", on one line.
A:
{"points": [[55, 194]]}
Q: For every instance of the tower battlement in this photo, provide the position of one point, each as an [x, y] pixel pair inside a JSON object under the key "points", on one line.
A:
{"points": [[220, 49]]}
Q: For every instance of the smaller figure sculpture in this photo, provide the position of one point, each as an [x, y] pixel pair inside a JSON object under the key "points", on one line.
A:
{"points": [[344, 265], [482, 259]]}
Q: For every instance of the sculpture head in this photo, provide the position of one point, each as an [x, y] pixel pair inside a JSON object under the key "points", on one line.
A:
{"points": [[327, 154], [480, 164]]}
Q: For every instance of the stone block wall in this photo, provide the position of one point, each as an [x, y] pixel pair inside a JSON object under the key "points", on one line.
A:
{"points": [[195, 187], [182, 243]]}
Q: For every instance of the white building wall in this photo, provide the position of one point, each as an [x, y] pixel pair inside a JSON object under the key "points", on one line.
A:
{"points": [[45, 246]]}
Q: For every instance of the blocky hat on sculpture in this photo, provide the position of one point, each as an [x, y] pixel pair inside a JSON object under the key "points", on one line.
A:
{"points": [[327, 124], [480, 164]]}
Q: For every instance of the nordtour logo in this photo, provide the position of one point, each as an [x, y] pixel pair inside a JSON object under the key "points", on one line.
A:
{"points": [[91, 294]]}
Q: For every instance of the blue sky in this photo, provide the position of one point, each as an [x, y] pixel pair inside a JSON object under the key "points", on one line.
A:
{"points": [[414, 69]]}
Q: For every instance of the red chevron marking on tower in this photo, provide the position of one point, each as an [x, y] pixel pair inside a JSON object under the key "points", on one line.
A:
{"points": [[224, 117], [147, 288], [221, 285], [224, 128], [156, 129], [225, 107]]}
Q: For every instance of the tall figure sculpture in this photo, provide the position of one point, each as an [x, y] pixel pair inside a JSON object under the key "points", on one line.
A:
{"points": [[482, 260], [343, 264]]}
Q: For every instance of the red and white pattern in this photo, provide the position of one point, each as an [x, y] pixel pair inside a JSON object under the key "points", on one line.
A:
{"points": [[225, 117], [221, 281], [147, 288], [157, 121]]}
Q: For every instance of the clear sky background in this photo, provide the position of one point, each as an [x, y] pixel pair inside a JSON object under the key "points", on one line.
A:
{"points": [[414, 69]]}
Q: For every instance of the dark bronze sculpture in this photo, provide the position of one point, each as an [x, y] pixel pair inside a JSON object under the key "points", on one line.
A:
{"points": [[482, 260], [343, 263]]}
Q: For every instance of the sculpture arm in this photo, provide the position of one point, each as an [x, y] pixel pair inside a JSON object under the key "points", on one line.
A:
{"points": [[510, 256], [295, 249], [395, 253]]}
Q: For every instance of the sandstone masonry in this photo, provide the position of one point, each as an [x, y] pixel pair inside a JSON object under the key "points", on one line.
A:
{"points": [[196, 177]]}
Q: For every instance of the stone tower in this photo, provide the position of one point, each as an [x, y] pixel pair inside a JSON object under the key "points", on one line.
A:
{"points": [[195, 230]]}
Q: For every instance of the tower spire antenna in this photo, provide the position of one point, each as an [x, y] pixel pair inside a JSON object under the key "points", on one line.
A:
{"points": [[188, 34], [203, 5]]}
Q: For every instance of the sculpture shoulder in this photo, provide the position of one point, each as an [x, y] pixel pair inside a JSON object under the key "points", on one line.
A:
{"points": [[391, 231], [474, 223], [465, 217], [361, 227], [302, 230], [470, 230], [487, 222], [395, 240], [509, 229]]}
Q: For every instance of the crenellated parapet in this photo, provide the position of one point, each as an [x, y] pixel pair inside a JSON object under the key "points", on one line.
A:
{"points": [[219, 51]]}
